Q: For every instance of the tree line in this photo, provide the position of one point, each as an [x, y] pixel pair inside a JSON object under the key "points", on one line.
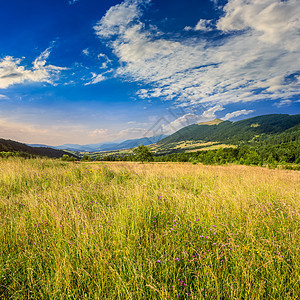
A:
{"points": [[259, 155]]}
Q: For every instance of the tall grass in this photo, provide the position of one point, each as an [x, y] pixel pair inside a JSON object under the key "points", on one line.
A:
{"points": [[147, 231]]}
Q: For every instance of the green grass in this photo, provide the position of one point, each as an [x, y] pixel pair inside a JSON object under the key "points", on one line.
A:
{"points": [[147, 231]]}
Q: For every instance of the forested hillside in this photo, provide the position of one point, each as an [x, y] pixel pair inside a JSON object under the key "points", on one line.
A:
{"points": [[25, 150], [257, 128]]}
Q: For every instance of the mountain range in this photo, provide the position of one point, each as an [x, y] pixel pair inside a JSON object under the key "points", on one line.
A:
{"points": [[132, 143], [264, 130]]}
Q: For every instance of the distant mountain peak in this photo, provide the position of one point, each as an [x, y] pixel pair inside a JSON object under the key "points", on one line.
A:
{"points": [[213, 122]]}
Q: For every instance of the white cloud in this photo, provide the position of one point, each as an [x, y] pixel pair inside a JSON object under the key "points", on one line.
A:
{"points": [[56, 133], [185, 120], [86, 52], [105, 61], [96, 78], [11, 72], [237, 113], [249, 65], [117, 18], [71, 2], [202, 25], [191, 118], [132, 133], [98, 132], [3, 97], [286, 102], [210, 114], [276, 21]]}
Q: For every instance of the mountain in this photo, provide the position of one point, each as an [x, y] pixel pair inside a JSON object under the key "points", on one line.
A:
{"points": [[111, 146], [135, 143], [13, 146], [39, 145], [80, 148], [234, 132]]}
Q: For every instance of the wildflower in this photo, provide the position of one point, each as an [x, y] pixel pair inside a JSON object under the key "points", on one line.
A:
{"points": [[158, 261]]}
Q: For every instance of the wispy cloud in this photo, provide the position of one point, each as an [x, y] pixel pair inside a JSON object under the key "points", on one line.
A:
{"points": [[71, 2], [276, 22], [3, 97], [237, 113], [96, 78], [131, 133], [86, 52], [105, 61], [202, 25], [98, 132], [12, 72], [286, 102], [55, 133], [257, 55]]}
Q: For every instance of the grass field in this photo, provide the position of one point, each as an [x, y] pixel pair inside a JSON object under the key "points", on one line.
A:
{"points": [[148, 231]]}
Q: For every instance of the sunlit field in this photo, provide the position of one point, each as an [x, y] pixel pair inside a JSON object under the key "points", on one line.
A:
{"points": [[147, 231]]}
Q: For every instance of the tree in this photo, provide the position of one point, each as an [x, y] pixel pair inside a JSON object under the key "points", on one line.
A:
{"points": [[72, 158], [86, 158], [142, 153], [65, 157]]}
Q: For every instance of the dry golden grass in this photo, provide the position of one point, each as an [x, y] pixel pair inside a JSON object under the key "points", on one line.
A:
{"points": [[147, 231]]}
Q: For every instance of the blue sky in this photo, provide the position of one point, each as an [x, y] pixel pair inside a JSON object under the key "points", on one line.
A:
{"points": [[91, 71]]}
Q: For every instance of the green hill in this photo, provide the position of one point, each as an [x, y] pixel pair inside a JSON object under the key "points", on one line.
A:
{"points": [[257, 128], [13, 146]]}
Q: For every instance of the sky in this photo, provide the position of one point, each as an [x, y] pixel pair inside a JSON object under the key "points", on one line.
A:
{"points": [[90, 71]]}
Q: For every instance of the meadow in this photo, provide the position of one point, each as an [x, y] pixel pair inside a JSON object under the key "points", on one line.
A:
{"points": [[125, 230]]}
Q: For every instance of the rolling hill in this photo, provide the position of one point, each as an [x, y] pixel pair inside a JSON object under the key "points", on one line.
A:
{"points": [[13, 146], [235, 132]]}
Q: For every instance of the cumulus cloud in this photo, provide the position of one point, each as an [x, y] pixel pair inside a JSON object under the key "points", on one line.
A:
{"points": [[237, 113], [12, 72], [118, 17], [249, 63]]}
